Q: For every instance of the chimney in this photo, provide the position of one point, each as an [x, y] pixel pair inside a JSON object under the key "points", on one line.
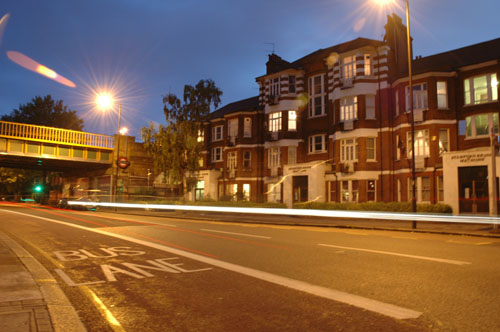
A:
{"points": [[275, 64]]}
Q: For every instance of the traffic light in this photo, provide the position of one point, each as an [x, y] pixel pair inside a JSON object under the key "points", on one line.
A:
{"points": [[38, 188]]}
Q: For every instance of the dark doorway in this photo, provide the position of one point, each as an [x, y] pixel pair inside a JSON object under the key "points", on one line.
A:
{"points": [[300, 184], [473, 189]]}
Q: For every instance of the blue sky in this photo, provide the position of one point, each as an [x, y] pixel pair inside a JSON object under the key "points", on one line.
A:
{"points": [[144, 49]]}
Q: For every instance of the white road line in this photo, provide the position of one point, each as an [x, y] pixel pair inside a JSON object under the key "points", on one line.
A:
{"points": [[214, 231], [339, 296], [440, 260]]}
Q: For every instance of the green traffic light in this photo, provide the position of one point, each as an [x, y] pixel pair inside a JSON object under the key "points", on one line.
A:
{"points": [[38, 188]]}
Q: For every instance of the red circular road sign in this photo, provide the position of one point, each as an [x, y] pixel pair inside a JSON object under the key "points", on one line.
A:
{"points": [[123, 162]]}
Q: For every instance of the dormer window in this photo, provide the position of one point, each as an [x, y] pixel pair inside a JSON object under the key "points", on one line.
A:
{"points": [[348, 67]]}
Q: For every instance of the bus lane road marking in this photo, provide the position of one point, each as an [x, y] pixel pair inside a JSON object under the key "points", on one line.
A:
{"points": [[440, 260], [386, 309]]}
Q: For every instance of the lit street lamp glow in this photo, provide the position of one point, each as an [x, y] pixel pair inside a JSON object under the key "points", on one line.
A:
{"points": [[104, 101]]}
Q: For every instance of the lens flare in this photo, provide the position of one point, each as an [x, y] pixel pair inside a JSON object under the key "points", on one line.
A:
{"points": [[3, 24], [30, 64]]}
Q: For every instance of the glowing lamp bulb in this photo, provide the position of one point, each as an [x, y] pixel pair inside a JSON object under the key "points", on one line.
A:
{"points": [[104, 101]]}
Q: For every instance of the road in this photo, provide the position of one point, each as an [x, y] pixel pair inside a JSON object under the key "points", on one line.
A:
{"points": [[137, 273]]}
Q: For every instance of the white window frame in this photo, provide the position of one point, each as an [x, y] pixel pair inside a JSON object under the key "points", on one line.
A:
{"points": [[420, 97], [369, 190], [425, 191], [348, 108], [348, 67], [367, 64], [217, 133], [316, 141], [471, 92], [443, 140], [374, 148], [351, 193], [349, 150], [471, 125], [274, 157], [217, 154], [274, 86], [232, 128], [232, 160], [440, 188], [370, 107], [422, 143], [292, 120], [316, 96], [247, 127], [274, 122], [442, 94]]}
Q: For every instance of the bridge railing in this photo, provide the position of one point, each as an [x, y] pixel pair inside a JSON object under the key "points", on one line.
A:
{"points": [[54, 135]]}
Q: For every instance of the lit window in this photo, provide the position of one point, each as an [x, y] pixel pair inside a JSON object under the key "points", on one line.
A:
{"points": [[479, 125], [348, 67], [421, 143], [442, 94], [275, 122], [481, 89], [292, 120], [368, 64], [443, 141], [316, 96], [348, 108], [201, 135], [349, 149], [247, 127], [317, 144], [419, 97]]}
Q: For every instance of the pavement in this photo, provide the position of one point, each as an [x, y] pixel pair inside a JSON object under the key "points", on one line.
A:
{"points": [[30, 298]]}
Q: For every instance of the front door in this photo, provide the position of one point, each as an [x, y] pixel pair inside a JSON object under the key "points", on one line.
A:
{"points": [[473, 189], [300, 184]]}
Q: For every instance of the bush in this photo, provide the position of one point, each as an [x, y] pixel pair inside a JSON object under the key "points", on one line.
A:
{"points": [[375, 206]]}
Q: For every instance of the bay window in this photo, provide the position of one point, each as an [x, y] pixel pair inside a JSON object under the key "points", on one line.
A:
{"points": [[481, 89], [316, 96], [419, 97], [479, 125], [348, 108], [421, 143], [349, 149], [275, 122]]}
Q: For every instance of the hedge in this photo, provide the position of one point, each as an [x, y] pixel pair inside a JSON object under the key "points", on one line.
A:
{"points": [[375, 206]]}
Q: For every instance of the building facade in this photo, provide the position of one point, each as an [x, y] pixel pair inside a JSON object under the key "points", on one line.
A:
{"points": [[335, 126]]}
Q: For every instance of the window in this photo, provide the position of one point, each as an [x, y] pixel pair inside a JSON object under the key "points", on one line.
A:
{"points": [[247, 159], [350, 191], [479, 125], [349, 149], [399, 146], [348, 67], [426, 188], [481, 89], [216, 154], [370, 191], [399, 190], [370, 107], [291, 84], [443, 141], [292, 120], [419, 97], [217, 133], [396, 111], [442, 94], [274, 88], [232, 128], [410, 189], [440, 190], [333, 191], [247, 127], [421, 143], [199, 191], [316, 96], [275, 122], [232, 160], [368, 64], [292, 155], [317, 144], [246, 191], [274, 192], [370, 149], [274, 157], [348, 108]]}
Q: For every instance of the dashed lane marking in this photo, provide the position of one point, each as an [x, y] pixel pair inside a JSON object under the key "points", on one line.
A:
{"points": [[386, 309]]}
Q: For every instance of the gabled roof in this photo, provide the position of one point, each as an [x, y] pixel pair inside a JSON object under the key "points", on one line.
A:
{"points": [[452, 60], [249, 104]]}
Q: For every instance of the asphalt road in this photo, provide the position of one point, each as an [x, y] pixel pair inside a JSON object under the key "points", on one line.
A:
{"points": [[137, 273]]}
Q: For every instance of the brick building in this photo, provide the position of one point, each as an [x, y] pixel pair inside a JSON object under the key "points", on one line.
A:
{"points": [[335, 126]]}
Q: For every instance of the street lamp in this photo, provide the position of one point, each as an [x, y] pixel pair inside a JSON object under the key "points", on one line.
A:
{"points": [[412, 122], [105, 101]]}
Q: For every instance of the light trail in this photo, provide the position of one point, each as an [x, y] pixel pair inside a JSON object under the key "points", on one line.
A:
{"points": [[30, 64], [306, 212]]}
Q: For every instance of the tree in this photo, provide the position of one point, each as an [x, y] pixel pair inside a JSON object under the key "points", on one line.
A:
{"points": [[46, 112], [175, 147]]}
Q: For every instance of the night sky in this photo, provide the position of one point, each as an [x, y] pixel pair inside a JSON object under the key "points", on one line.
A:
{"points": [[144, 49]]}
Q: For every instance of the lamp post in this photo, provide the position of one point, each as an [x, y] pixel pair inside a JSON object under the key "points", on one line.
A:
{"points": [[105, 101], [412, 122]]}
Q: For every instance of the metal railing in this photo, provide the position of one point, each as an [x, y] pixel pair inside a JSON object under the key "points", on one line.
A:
{"points": [[54, 135]]}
